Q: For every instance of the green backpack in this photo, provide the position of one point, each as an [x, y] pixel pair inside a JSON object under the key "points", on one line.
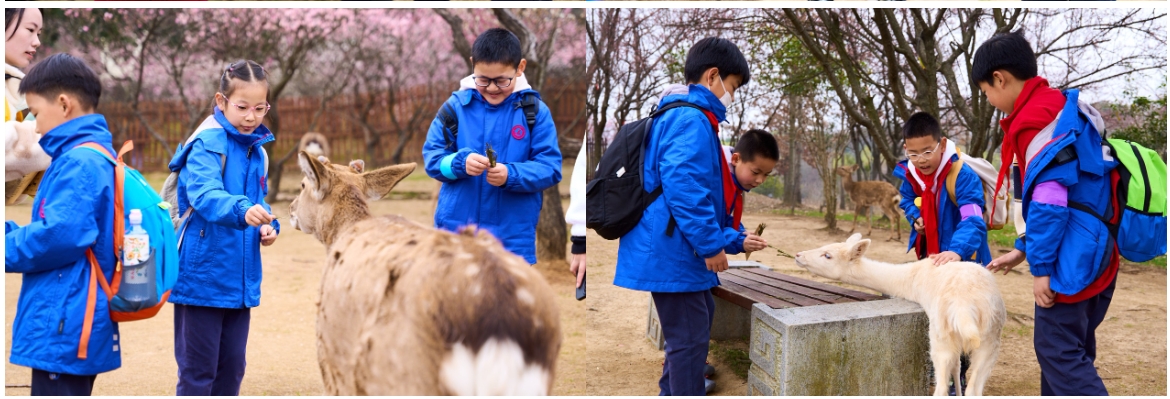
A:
{"points": [[1141, 193]]}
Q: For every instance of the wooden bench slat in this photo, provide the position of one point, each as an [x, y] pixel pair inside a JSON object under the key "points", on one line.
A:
{"points": [[824, 297], [856, 295], [745, 297], [773, 292]]}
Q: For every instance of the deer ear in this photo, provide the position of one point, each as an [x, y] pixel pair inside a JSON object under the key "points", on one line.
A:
{"points": [[857, 250], [854, 238], [380, 181], [357, 165], [317, 173]]}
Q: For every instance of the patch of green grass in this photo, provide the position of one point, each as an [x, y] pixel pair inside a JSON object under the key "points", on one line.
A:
{"points": [[1159, 262], [1022, 331], [1005, 237], [737, 359]]}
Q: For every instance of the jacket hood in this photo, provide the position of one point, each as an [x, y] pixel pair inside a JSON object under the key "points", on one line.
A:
{"points": [[698, 95]]}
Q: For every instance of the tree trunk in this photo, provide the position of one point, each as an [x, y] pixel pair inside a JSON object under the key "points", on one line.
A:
{"points": [[830, 192], [550, 226]]}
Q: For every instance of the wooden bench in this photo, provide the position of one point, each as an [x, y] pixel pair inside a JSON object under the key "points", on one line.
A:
{"points": [[747, 283]]}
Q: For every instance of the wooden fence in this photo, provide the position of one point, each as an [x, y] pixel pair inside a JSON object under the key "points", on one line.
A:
{"points": [[337, 123]]}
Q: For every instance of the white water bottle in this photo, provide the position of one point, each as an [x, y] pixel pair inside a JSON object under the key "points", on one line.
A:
{"points": [[137, 278]]}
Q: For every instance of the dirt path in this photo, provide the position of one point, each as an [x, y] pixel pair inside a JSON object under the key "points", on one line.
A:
{"points": [[282, 354], [1131, 342]]}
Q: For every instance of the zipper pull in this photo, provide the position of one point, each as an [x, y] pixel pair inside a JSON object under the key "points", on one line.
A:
{"points": [[249, 156]]}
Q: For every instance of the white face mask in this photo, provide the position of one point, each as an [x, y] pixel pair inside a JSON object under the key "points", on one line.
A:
{"points": [[726, 97]]}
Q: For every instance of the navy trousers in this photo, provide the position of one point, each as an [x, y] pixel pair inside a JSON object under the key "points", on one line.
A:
{"points": [[45, 383], [1066, 345], [210, 344], [686, 319]]}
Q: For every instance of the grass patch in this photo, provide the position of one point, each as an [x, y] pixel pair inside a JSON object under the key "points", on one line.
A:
{"points": [[1022, 331], [1005, 237], [735, 358]]}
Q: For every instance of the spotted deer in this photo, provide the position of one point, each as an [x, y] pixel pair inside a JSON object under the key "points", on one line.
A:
{"points": [[406, 309], [961, 299], [865, 194]]}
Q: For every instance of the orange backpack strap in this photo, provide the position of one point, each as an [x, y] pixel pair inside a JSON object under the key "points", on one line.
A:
{"points": [[96, 275]]}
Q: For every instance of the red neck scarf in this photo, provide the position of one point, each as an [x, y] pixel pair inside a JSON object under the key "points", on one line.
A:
{"points": [[929, 206]]}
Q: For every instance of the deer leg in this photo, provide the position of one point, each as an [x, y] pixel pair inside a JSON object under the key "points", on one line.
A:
{"points": [[854, 222], [869, 215]]}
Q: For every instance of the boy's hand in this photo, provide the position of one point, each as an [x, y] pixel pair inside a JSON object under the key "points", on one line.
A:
{"points": [[945, 257], [498, 175], [717, 263], [577, 267], [919, 226], [267, 235], [1006, 262], [476, 164], [257, 216], [754, 243], [1045, 298]]}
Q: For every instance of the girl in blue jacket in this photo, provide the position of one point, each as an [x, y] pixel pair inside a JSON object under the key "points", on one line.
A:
{"points": [[223, 178]]}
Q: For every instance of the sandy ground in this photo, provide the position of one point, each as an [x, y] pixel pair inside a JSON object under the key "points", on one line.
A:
{"points": [[1131, 341], [282, 354]]}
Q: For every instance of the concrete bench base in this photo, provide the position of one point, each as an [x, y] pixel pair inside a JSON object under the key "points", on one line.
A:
{"points": [[861, 348]]}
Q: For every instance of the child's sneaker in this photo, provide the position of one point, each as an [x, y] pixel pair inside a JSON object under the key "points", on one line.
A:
{"points": [[708, 370], [708, 386]]}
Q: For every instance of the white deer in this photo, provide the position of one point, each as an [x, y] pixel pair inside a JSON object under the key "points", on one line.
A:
{"points": [[961, 299]]}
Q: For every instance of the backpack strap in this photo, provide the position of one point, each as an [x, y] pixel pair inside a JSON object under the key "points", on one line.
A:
{"points": [[530, 106], [96, 275], [952, 176], [450, 123]]}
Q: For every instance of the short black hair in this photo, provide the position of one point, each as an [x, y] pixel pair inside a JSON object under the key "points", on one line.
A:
{"points": [[922, 124], [13, 17], [63, 73], [715, 52], [497, 46], [242, 70], [1010, 52], [755, 143]]}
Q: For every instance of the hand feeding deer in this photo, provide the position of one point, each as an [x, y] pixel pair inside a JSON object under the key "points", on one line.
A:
{"points": [[865, 194], [409, 310], [961, 299]]}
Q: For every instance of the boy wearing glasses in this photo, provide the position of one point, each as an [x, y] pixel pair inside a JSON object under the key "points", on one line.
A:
{"points": [[945, 230], [493, 158]]}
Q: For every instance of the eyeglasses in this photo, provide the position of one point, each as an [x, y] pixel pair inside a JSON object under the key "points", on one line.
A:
{"points": [[242, 110], [924, 154], [502, 83]]}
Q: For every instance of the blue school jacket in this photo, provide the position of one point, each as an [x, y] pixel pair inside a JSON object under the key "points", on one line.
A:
{"points": [[219, 260], [72, 211]]}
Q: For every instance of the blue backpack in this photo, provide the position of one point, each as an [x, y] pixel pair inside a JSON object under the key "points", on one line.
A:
{"points": [[131, 191]]}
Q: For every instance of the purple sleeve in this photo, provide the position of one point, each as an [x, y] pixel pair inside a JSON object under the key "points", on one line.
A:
{"points": [[970, 210], [1051, 193]]}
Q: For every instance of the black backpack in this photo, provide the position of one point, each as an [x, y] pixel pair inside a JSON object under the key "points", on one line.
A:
{"points": [[447, 117], [615, 199]]}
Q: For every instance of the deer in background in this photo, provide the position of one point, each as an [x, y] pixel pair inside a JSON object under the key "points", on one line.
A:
{"points": [[865, 194], [961, 299], [406, 309], [316, 144]]}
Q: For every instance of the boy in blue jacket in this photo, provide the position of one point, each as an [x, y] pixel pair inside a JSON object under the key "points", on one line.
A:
{"points": [[1070, 252], [684, 236], [72, 214], [489, 108], [945, 230]]}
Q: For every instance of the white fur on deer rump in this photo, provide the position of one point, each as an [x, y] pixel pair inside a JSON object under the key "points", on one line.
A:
{"points": [[497, 369]]}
